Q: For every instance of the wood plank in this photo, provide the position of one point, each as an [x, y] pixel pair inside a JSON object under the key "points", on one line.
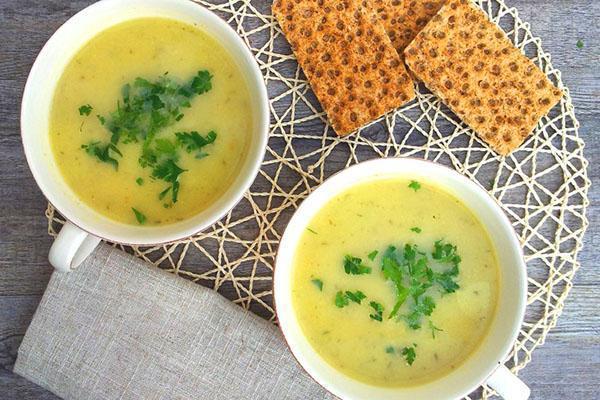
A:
{"points": [[567, 366]]}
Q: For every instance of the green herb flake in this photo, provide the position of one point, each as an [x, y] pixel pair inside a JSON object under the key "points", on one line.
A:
{"points": [[390, 350], [414, 185], [378, 314], [422, 307], [194, 142], [145, 109], [341, 300], [85, 110], [356, 297], [372, 255], [409, 354], [312, 231], [141, 218], [354, 266], [580, 44], [168, 171], [318, 283], [139, 181], [104, 152], [416, 229], [446, 253]]}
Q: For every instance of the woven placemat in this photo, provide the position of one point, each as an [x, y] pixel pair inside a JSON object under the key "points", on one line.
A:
{"points": [[542, 186]]}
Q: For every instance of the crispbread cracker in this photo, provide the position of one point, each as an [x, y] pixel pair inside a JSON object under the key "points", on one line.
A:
{"points": [[403, 19], [347, 57], [469, 62]]}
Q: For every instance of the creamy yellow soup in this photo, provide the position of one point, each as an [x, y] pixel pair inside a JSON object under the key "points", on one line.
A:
{"points": [[153, 49], [370, 217]]}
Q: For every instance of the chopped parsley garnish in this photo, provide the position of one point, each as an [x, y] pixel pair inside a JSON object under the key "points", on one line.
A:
{"points": [[356, 297], [85, 109], [411, 276], [312, 231], [145, 109], [414, 276], [354, 266], [445, 253], [139, 181], [105, 152], [580, 44], [414, 185], [377, 315], [318, 283], [422, 307], [416, 229], [193, 141], [409, 354], [168, 171], [141, 218], [342, 299]]}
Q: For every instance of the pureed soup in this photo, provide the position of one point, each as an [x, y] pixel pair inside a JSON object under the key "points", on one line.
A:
{"points": [[151, 122], [395, 282]]}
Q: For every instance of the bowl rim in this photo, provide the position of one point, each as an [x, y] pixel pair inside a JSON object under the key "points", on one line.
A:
{"points": [[262, 114], [503, 353]]}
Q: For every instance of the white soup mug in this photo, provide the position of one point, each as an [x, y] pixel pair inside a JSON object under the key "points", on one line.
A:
{"points": [[85, 227], [486, 364]]}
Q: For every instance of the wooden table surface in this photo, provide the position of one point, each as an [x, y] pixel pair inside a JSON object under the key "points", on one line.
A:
{"points": [[566, 367]]}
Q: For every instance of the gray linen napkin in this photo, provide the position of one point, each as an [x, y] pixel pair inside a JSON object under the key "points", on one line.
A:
{"points": [[117, 328]]}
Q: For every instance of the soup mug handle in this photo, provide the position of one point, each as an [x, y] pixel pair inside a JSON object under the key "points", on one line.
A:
{"points": [[71, 247], [508, 385]]}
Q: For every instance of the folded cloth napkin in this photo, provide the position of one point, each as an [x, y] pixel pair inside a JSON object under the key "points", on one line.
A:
{"points": [[118, 328]]}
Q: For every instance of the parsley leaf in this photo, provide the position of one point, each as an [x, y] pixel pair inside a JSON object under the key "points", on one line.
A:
{"points": [[416, 229], [318, 283], [193, 141], [201, 83], [141, 218], [422, 307], [409, 354], [393, 272], [378, 314], [414, 185], [146, 107], [372, 255], [354, 266], [139, 181], [85, 109], [103, 152], [356, 297], [445, 253], [580, 44], [341, 300], [390, 350], [169, 172]]}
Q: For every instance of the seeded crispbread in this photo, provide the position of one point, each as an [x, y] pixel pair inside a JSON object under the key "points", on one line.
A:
{"points": [[475, 69], [347, 57], [403, 19]]}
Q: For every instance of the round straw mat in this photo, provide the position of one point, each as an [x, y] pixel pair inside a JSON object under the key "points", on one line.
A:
{"points": [[542, 186]]}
